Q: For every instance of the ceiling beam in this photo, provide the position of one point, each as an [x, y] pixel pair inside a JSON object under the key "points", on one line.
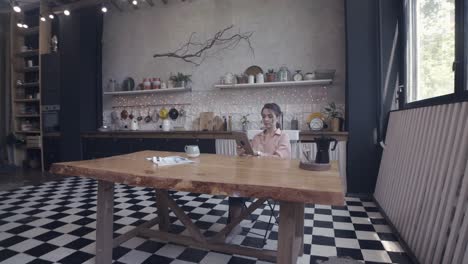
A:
{"points": [[150, 2], [77, 5], [116, 5], [134, 6]]}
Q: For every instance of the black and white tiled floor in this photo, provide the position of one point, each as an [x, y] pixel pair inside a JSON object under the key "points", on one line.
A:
{"points": [[55, 223]]}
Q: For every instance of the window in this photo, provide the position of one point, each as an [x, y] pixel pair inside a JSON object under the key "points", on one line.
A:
{"points": [[430, 48]]}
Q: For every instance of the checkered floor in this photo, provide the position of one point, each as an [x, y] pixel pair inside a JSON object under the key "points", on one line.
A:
{"points": [[55, 223]]}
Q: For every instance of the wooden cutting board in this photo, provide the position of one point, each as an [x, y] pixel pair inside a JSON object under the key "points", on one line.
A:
{"points": [[218, 123], [206, 121]]}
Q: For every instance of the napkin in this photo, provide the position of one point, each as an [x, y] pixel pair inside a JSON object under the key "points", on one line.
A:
{"points": [[170, 160]]}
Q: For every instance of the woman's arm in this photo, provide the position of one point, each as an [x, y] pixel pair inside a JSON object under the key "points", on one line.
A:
{"points": [[283, 150]]}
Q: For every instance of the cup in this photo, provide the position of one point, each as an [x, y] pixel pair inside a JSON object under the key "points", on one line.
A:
{"points": [[192, 151]]}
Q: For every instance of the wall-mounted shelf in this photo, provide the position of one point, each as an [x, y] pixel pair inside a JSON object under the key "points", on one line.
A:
{"points": [[168, 90], [28, 53], [28, 115], [275, 84], [28, 132], [34, 84], [28, 69], [26, 100], [29, 31]]}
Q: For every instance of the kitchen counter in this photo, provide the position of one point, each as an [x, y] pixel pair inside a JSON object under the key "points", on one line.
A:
{"points": [[304, 135]]}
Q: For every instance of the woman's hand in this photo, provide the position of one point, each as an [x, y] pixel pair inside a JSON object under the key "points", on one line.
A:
{"points": [[240, 151]]}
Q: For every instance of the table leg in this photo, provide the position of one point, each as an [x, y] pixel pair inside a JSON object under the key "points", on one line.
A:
{"points": [[287, 238], [105, 221], [163, 209], [300, 227]]}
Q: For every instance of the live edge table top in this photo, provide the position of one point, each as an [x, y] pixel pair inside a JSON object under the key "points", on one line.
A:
{"points": [[273, 178]]}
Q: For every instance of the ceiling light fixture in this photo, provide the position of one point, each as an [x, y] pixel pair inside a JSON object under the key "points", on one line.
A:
{"points": [[51, 16], [66, 12], [104, 9], [43, 19], [16, 7], [135, 2], [25, 26], [19, 24]]}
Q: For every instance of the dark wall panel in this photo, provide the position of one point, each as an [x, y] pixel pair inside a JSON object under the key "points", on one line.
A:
{"points": [[80, 49], [361, 94]]}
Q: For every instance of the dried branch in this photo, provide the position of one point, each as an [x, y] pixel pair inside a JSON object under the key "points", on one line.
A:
{"points": [[196, 52]]}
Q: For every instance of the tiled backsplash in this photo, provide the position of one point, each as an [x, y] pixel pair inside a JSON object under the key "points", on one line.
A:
{"points": [[295, 102]]}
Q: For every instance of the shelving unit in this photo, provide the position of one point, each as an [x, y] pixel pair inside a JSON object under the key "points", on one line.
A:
{"points": [[275, 84], [26, 88], [168, 90]]}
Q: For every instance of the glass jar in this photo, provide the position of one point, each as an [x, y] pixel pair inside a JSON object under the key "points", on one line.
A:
{"points": [[284, 74]]}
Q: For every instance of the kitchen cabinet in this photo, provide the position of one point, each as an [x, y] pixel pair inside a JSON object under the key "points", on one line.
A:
{"points": [[104, 147]]}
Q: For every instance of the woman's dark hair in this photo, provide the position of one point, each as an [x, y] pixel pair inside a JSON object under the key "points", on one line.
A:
{"points": [[276, 109]]}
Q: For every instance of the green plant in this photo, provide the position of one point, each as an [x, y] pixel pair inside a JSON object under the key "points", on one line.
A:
{"points": [[332, 111], [244, 120], [180, 77]]}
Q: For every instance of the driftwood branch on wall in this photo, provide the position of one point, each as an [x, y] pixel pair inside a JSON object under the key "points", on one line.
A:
{"points": [[196, 52]]}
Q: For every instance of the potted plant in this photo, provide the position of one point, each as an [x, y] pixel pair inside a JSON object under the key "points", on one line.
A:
{"points": [[245, 122], [270, 75], [180, 80], [333, 114]]}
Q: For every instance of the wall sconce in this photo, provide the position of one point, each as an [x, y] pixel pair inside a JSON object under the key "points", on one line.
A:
{"points": [[16, 7]]}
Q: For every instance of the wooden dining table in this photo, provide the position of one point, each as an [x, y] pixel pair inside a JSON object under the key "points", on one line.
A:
{"points": [[247, 176]]}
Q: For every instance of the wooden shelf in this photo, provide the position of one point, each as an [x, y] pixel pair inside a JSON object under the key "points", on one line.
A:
{"points": [[28, 53], [26, 115], [28, 132], [168, 90], [28, 69], [34, 84], [29, 31], [26, 100], [275, 84]]}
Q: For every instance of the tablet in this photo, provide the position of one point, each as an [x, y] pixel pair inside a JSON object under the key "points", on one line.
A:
{"points": [[243, 141]]}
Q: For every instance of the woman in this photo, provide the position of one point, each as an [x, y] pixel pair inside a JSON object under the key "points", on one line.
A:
{"points": [[269, 143]]}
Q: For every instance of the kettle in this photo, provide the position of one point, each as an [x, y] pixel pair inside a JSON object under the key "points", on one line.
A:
{"points": [[323, 146]]}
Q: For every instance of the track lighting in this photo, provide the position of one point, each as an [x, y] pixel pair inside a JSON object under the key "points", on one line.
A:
{"points": [[16, 7], [66, 12], [51, 16], [25, 26], [19, 24], [43, 19]]}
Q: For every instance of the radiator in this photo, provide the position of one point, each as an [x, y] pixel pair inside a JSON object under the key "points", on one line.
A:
{"points": [[423, 181]]}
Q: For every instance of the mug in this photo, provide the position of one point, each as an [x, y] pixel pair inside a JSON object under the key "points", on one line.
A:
{"points": [[192, 151]]}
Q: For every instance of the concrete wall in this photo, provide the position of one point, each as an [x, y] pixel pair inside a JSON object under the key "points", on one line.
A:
{"points": [[301, 34]]}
